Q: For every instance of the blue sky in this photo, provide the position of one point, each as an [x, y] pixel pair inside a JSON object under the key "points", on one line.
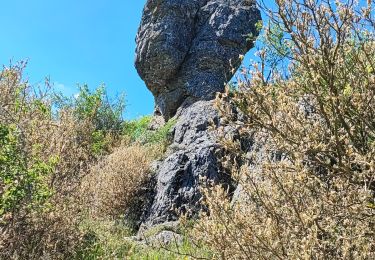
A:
{"points": [[77, 41]]}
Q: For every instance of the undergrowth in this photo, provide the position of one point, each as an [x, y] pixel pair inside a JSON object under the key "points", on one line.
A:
{"points": [[306, 183], [70, 167], [139, 131]]}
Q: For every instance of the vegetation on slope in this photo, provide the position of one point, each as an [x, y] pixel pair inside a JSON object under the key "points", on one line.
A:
{"points": [[307, 189], [71, 168]]}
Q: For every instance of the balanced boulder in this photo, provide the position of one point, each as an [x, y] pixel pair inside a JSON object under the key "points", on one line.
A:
{"points": [[191, 48]]}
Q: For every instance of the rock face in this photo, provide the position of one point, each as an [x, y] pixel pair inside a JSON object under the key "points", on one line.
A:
{"points": [[191, 48], [187, 50], [192, 155]]}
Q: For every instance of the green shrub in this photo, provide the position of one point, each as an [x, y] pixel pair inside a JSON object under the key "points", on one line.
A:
{"points": [[95, 108], [23, 183], [138, 130], [40, 201], [96, 105], [111, 240], [161, 135], [104, 240]]}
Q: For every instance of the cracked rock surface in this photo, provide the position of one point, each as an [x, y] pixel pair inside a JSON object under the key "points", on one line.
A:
{"points": [[191, 48], [193, 155]]}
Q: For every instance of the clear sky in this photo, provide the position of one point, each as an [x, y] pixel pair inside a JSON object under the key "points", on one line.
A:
{"points": [[77, 41]]}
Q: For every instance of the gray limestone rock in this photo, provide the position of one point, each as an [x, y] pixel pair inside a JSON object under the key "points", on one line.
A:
{"points": [[191, 48]]}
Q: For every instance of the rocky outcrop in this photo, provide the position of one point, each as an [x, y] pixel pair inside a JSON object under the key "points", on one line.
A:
{"points": [[191, 48], [193, 155], [187, 50]]}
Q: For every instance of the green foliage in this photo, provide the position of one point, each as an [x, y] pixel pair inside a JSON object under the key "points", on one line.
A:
{"points": [[273, 49], [186, 250], [104, 240], [161, 135], [111, 240], [138, 130], [22, 178], [99, 142], [95, 108], [105, 116], [135, 129], [258, 28], [275, 40]]}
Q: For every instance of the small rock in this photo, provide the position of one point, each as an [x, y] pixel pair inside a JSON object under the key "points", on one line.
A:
{"points": [[165, 238]]}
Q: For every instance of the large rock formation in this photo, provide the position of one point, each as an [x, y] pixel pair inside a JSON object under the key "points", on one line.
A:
{"points": [[191, 48], [187, 50]]}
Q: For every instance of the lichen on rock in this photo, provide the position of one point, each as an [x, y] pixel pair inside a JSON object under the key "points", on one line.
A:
{"points": [[191, 48]]}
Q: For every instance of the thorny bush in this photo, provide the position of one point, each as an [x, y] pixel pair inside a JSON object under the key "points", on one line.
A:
{"points": [[307, 188]]}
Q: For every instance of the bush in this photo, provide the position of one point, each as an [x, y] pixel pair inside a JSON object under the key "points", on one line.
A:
{"points": [[27, 167], [136, 129], [139, 131], [22, 180], [68, 173], [306, 190], [22, 187], [95, 108], [47, 146], [116, 181]]}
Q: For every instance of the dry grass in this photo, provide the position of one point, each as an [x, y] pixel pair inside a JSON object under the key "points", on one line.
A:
{"points": [[116, 181]]}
